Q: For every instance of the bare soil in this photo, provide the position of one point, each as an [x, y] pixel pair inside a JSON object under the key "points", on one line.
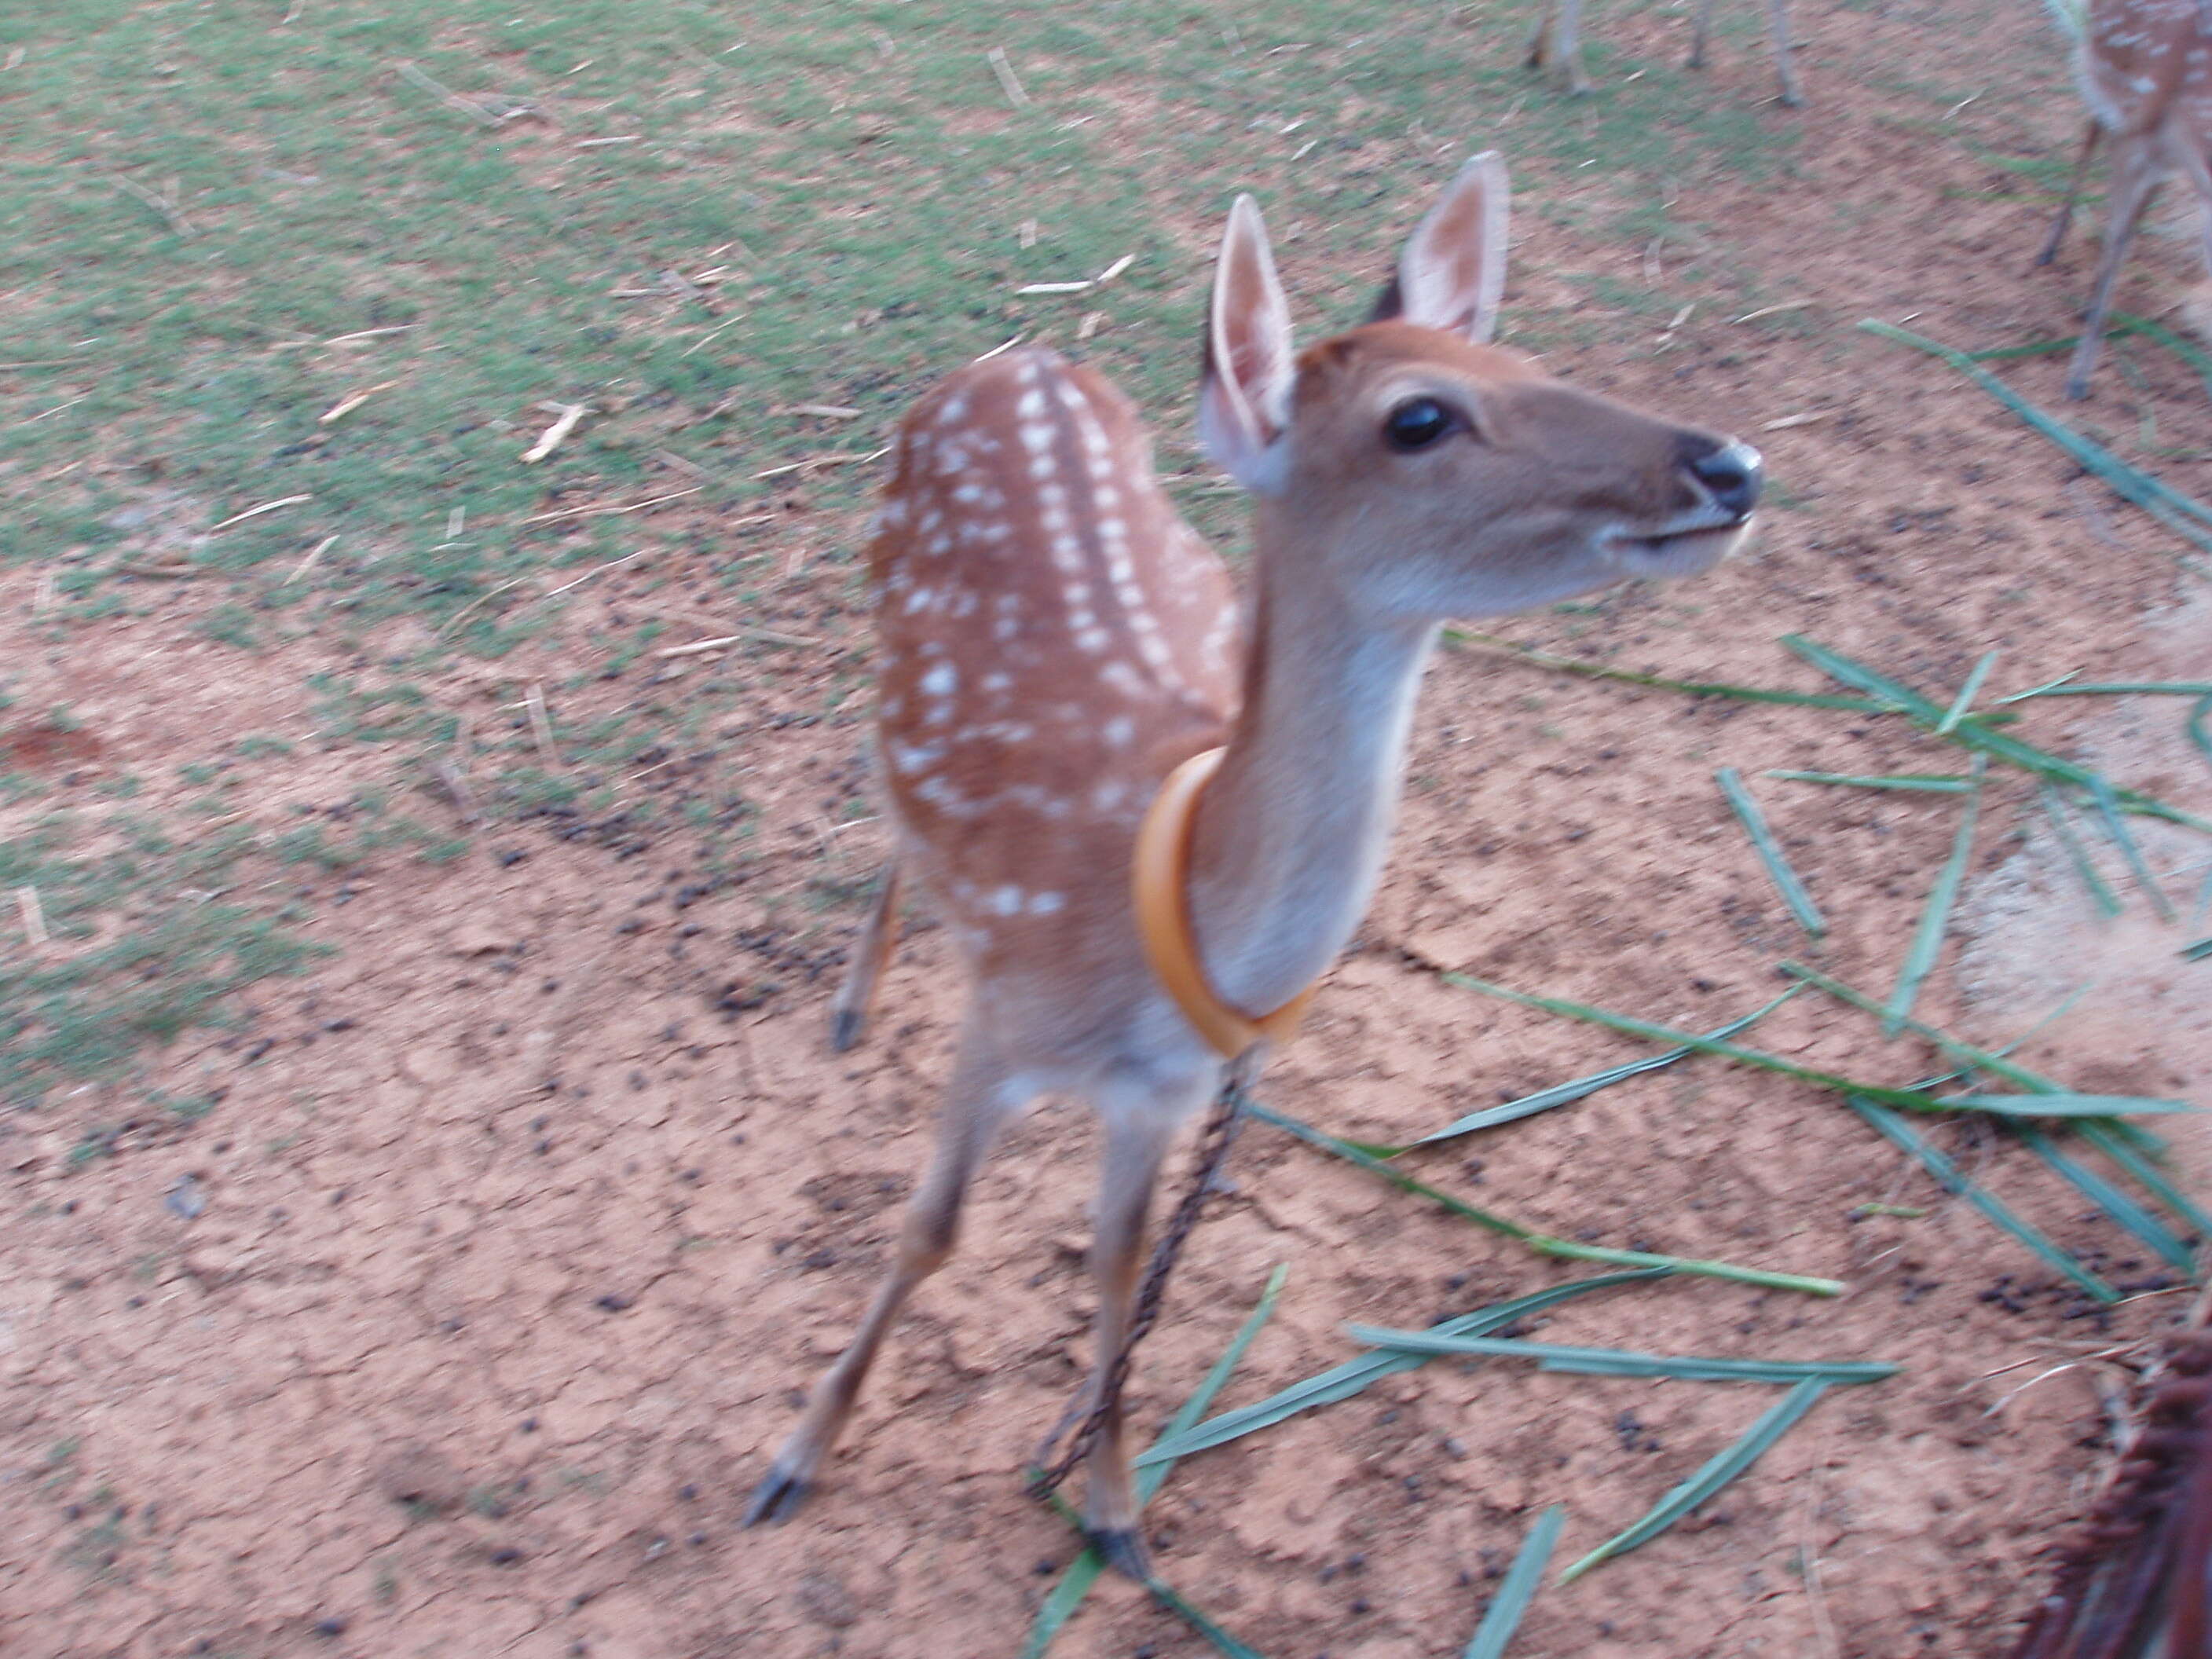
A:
{"points": [[466, 1321]]}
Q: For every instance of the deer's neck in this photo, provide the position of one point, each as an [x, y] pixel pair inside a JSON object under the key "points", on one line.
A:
{"points": [[1289, 837]]}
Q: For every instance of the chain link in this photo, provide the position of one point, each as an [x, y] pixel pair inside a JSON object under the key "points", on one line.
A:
{"points": [[1222, 1124]]}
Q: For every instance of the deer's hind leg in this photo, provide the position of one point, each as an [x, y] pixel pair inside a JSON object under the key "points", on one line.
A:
{"points": [[849, 1015], [983, 1094]]}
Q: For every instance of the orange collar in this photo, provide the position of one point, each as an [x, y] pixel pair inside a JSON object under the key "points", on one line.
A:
{"points": [[1160, 881]]}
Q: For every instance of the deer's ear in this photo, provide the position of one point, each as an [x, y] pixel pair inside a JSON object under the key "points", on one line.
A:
{"points": [[1453, 268], [1243, 399]]}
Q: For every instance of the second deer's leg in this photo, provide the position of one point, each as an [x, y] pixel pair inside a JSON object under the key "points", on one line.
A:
{"points": [[982, 1096], [1701, 29], [849, 1015], [1558, 45], [2136, 179], [1139, 1127], [2065, 219], [1778, 37], [1539, 43]]}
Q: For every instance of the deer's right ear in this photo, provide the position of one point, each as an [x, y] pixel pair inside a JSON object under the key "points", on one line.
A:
{"points": [[1243, 400]]}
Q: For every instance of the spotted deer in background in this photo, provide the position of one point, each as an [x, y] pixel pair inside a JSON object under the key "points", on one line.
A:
{"points": [[2145, 69], [1054, 641]]}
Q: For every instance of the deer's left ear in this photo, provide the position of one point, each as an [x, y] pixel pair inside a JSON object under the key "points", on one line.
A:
{"points": [[1453, 268]]}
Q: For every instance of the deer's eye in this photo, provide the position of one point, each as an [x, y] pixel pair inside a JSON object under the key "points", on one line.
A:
{"points": [[1418, 423]]}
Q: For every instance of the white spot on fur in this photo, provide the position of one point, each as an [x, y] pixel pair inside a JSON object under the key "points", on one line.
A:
{"points": [[910, 759], [1122, 676], [942, 681]]}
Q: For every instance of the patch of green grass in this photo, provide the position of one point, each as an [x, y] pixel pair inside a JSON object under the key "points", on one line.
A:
{"points": [[849, 181], [145, 947], [88, 1016]]}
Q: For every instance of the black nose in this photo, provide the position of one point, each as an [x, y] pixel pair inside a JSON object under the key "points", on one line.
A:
{"points": [[1729, 472]]}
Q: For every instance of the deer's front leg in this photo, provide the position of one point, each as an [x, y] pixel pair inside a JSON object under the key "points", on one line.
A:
{"points": [[1140, 1122]]}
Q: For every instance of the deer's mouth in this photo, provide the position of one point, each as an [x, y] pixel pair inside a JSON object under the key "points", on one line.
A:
{"points": [[1681, 546]]}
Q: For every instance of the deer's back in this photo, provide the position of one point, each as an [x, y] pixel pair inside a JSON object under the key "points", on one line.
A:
{"points": [[2145, 64], [1052, 639]]}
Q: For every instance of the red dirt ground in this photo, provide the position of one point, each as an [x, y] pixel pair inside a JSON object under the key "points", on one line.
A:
{"points": [[521, 1219]]}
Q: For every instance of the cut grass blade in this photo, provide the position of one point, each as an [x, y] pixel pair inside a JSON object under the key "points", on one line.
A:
{"points": [[1518, 1588], [1770, 851], [1975, 731], [2190, 354], [1543, 1243], [1621, 1362], [1082, 1572], [1933, 783], [1167, 1595], [2196, 726], [1342, 1382], [2067, 1105], [2044, 1097], [2196, 950], [2109, 1135], [1598, 671], [1897, 1131], [1965, 699], [2116, 322], [2184, 515], [1935, 914], [2131, 1215], [2085, 869], [2113, 688], [2056, 1103], [1223, 1642], [2152, 1180], [1773, 1423], [1560, 1094], [2108, 814]]}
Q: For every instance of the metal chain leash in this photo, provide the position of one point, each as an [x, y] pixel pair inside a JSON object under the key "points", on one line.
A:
{"points": [[1222, 1124]]}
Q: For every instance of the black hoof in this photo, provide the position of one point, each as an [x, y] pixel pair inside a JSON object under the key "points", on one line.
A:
{"points": [[777, 1498], [845, 1029], [1121, 1549]]}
